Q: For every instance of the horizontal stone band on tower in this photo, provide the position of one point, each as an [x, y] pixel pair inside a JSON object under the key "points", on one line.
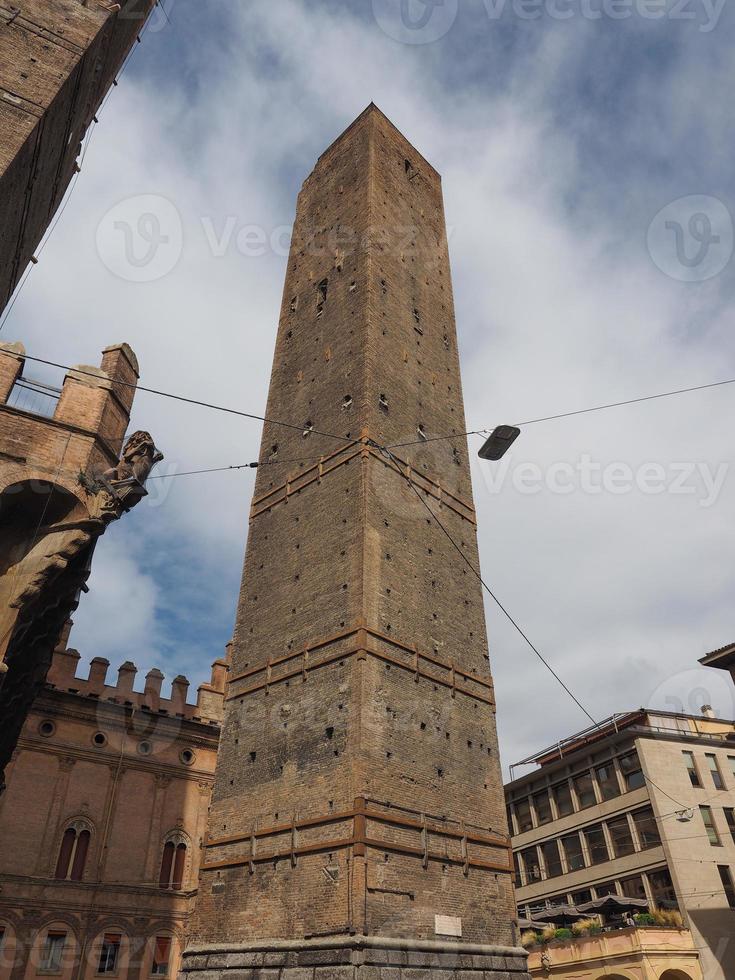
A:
{"points": [[327, 464], [357, 824], [408, 658]]}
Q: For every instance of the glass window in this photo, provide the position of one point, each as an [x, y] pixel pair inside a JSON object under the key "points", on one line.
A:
{"points": [[72, 854], [585, 789], [630, 767], [573, 852], [596, 844], [607, 888], [662, 888], [53, 952], [622, 839], [645, 824], [173, 861], [109, 953], [714, 769], [523, 816], [730, 817], [563, 798], [633, 887], [552, 861], [542, 805], [530, 865], [607, 780], [709, 826], [691, 768], [726, 879], [579, 898], [161, 956]]}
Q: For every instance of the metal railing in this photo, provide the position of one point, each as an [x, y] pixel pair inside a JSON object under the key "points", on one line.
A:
{"points": [[34, 397]]}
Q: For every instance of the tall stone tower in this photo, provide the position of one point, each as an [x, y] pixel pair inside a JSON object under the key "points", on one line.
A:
{"points": [[358, 820]]}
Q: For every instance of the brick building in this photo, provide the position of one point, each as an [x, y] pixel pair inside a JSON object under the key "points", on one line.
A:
{"points": [[357, 820], [102, 821], [644, 807], [56, 444], [58, 58]]}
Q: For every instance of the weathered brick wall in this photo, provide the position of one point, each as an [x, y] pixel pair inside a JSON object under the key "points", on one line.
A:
{"points": [[57, 60], [131, 800], [358, 785]]}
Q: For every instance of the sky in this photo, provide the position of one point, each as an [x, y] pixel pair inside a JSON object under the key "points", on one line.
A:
{"points": [[585, 148]]}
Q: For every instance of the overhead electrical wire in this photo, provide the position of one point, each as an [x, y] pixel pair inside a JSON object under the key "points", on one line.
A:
{"points": [[386, 451], [346, 439], [193, 401]]}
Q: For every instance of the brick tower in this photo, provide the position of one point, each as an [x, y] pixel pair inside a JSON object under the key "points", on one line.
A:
{"points": [[358, 820]]}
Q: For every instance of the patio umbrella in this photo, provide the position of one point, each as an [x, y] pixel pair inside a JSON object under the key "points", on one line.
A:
{"points": [[530, 924], [614, 905], [563, 915]]}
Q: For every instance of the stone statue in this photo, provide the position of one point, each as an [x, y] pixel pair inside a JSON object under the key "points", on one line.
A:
{"points": [[121, 487], [138, 459], [40, 589]]}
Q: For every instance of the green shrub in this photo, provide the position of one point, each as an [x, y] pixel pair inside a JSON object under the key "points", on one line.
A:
{"points": [[644, 919], [563, 934]]}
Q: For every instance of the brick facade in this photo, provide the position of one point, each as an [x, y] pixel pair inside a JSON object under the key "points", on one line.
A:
{"points": [[357, 818], [133, 770], [54, 446]]}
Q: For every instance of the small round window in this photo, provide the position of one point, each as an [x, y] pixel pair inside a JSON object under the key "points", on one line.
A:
{"points": [[145, 748], [187, 756], [46, 728], [99, 739]]}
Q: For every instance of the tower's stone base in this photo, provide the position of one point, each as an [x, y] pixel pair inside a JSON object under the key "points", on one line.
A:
{"points": [[354, 958]]}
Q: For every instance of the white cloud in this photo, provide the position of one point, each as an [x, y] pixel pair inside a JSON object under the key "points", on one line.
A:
{"points": [[559, 307]]}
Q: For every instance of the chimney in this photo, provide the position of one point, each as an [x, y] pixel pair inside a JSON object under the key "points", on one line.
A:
{"points": [[126, 678], [220, 669], [153, 682], [211, 697], [97, 675], [63, 670], [179, 690]]}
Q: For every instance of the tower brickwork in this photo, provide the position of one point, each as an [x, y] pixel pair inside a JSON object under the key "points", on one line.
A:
{"points": [[58, 59], [358, 815]]}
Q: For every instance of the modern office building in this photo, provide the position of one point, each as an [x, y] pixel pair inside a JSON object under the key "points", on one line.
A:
{"points": [[642, 806]]}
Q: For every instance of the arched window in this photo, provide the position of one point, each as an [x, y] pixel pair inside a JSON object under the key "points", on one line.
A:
{"points": [[173, 863], [73, 852]]}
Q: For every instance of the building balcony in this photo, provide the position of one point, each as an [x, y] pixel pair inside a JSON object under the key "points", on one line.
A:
{"points": [[648, 953]]}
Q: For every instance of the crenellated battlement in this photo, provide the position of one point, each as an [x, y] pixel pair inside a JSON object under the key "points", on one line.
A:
{"points": [[208, 706]]}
